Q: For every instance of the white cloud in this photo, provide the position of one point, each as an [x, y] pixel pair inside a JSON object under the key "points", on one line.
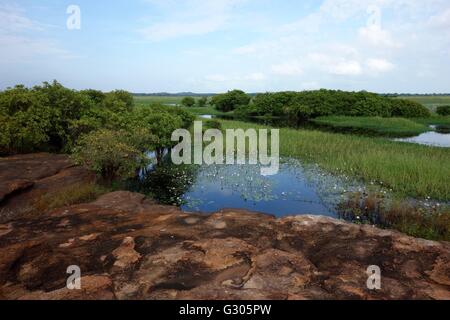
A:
{"points": [[441, 20], [337, 64], [256, 76], [346, 68], [20, 37], [216, 78], [292, 68], [376, 36], [13, 20], [192, 18], [379, 65]]}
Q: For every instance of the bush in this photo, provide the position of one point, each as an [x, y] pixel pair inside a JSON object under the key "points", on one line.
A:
{"points": [[188, 102], [408, 109], [109, 153], [51, 117], [312, 104], [443, 110], [202, 102], [231, 100], [298, 112]]}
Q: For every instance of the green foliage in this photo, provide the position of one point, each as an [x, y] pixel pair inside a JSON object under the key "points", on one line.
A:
{"points": [[95, 96], [51, 117], [443, 110], [188, 102], [230, 101], [409, 109], [123, 96], [312, 104], [298, 111], [212, 124], [202, 102], [109, 153]]}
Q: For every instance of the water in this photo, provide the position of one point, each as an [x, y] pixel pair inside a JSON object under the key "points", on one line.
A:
{"points": [[438, 138], [296, 189]]}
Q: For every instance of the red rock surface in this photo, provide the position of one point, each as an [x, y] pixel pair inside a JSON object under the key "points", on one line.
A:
{"points": [[129, 247], [24, 178]]}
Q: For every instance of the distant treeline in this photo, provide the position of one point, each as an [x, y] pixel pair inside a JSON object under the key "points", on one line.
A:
{"points": [[180, 94], [311, 104], [192, 94]]}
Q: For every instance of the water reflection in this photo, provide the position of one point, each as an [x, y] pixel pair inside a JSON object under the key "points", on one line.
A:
{"points": [[296, 189], [438, 138]]}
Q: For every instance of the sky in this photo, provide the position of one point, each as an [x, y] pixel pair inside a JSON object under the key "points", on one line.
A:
{"points": [[207, 46]]}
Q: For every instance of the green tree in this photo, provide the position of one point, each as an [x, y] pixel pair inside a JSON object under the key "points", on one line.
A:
{"points": [[409, 109], [231, 100], [188, 102], [109, 153], [123, 96], [96, 96], [202, 102], [443, 110]]}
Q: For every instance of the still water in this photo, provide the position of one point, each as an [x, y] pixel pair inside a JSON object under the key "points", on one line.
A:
{"points": [[296, 189], [438, 138]]}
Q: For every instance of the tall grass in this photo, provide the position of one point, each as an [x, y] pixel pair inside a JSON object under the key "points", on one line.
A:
{"points": [[409, 170], [68, 196], [374, 125]]}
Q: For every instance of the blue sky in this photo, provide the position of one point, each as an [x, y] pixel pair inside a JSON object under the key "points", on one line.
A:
{"points": [[216, 45]]}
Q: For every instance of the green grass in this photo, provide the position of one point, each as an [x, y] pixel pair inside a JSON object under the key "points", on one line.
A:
{"points": [[435, 120], [429, 101], [209, 110], [409, 170], [394, 127], [145, 101], [158, 99]]}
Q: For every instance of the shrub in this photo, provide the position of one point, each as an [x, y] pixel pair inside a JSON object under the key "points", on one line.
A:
{"points": [[443, 110], [298, 112], [96, 96], [202, 102], [188, 102], [231, 100], [109, 153], [51, 117], [123, 96], [408, 109]]}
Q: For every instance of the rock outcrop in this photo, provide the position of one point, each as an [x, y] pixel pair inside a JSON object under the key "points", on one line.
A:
{"points": [[24, 178], [129, 247]]}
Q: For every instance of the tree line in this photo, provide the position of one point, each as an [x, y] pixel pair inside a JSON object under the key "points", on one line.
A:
{"points": [[311, 104], [103, 131]]}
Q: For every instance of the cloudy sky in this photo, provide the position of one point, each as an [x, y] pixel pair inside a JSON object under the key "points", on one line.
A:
{"points": [[216, 45]]}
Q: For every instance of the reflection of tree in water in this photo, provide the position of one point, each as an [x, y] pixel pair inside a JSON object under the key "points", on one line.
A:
{"points": [[166, 183]]}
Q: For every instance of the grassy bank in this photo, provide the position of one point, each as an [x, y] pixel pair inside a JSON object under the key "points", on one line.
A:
{"points": [[436, 120], [429, 101], [394, 127], [408, 169]]}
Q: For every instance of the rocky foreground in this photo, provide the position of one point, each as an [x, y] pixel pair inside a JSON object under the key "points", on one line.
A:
{"points": [[129, 247]]}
